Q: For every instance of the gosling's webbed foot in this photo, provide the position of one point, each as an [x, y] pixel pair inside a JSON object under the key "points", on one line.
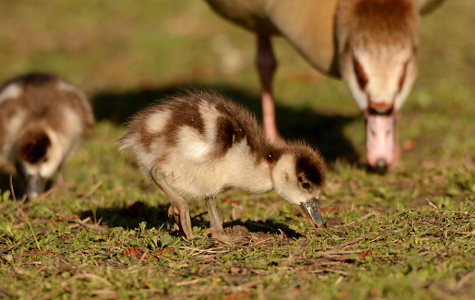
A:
{"points": [[218, 236], [223, 238], [174, 213]]}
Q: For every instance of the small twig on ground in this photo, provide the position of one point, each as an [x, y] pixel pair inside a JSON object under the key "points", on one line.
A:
{"points": [[21, 242], [12, 190], [49, 192], [360, 219], [144, 255], [222, 241], [92, 190], [105, 293], [338, 252], [85, 276], [259, 242], [190, 282], [83, 222], [90, 226], [196, 251], [464, 280], [246, 286], [430, 203], [329, 271], [347, 243], [338, 281]]}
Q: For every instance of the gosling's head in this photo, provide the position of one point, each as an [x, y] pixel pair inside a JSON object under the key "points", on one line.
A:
{"points": [[36, 159], [299, 177], [377, 51]]}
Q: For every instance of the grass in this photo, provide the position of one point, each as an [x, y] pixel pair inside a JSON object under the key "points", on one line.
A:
{"points": [[105, 233]]}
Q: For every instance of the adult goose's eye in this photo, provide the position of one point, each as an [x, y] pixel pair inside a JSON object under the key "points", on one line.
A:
{"points": [[360, 73], [403, 76]]}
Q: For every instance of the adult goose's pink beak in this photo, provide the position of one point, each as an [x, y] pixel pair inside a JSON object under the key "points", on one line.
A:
{"points": [[381, 144]]}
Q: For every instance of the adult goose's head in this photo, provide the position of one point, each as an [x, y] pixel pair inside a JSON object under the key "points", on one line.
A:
{"points": [[377, 48]]}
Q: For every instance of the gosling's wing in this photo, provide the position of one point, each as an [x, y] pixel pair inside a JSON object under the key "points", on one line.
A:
{"points": [[192, 145]]}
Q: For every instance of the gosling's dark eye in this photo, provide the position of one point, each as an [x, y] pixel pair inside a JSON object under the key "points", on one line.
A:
{"points": [[305, 185]]}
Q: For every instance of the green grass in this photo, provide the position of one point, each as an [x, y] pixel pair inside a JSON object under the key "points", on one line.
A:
{"points": [[105, 233]]}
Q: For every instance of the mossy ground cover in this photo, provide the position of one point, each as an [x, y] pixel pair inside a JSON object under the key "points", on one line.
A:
{"points": [[105, 233]]}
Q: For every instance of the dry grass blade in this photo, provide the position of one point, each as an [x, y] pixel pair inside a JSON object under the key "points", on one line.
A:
{"points": [[85, 276], [338, 281], [48, 193], [430, 203], [464, 280], [92, 190], [259, 242], [12, 190], [190, 282], [84, 223], [104, 293], [338, 252], [22, 241], [352, 241], [327, 270], [196, 251], [359, 220]]}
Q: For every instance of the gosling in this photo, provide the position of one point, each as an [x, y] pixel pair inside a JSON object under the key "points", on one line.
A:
{"points": [[43, 120], [199, 144]]}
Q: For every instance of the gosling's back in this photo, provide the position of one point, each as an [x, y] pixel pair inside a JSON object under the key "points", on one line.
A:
{"points": [[39, 101], [202, 143]]}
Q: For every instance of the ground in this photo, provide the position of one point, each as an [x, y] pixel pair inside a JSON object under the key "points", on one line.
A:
{"points": [[105, 233]]}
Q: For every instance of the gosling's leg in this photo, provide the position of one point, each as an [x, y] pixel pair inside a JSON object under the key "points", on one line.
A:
{"points": [[214, 221], [179, 208]]}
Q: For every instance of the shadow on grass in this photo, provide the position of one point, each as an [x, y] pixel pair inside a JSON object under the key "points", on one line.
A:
{"points": [[267, 226], [322, 131], [156, 216], [130, 217], [18, 185]]}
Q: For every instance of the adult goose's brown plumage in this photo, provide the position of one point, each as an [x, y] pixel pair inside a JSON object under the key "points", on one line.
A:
{"points": [[371, 44], [198, 144]]}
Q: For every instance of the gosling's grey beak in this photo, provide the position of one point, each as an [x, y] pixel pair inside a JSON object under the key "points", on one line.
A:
{"points": [[36, 185], [312, 211]]}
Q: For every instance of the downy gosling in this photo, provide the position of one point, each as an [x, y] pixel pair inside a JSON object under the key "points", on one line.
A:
{"points": [[199, 144], [43, 120]]}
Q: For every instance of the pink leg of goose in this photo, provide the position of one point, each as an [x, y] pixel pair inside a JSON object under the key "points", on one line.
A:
{"points": [[266, 65]]}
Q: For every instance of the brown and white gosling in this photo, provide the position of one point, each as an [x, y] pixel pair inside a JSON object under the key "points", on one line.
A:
{"points": [[43, 120], [199, 144]]}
